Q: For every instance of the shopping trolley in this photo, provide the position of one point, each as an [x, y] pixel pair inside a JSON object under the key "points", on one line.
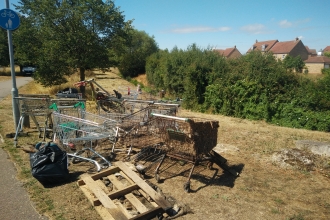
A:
{"points": [[78, 135], [186, 139], [35, 108]]}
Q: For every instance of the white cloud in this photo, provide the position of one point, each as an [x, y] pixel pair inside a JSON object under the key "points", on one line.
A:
{"points": [[186, 30], [285, 24], [254, 28]]}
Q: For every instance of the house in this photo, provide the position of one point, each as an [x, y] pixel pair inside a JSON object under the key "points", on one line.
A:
{"points": [[293, 48], [327, 49], [311, 52], [316, 64], [229, 52], [281, 49], [262, 46]]}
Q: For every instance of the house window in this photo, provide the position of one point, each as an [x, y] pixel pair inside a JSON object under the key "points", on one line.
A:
{"points": [[326, 66], [283, 56]]}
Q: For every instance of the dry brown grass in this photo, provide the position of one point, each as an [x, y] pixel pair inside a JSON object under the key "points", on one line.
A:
{"points": [[264, 190]]}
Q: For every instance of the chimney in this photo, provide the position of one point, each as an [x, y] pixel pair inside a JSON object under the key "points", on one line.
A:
{"points": [[297, 38], [256, 41]]}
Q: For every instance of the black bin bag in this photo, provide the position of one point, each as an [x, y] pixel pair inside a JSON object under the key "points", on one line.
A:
{"points": [[49, 165]]}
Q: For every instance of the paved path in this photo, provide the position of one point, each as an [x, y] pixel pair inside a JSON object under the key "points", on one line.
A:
{"points": [[14, 199]]}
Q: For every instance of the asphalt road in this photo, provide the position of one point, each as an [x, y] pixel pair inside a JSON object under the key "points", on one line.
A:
{"points": [[14, 199]]}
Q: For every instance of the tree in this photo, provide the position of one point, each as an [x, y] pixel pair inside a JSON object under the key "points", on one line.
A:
{"points": [[327, 54], [72, 34], [295, 63], [133, 56], [4, 51], [27, 43]]}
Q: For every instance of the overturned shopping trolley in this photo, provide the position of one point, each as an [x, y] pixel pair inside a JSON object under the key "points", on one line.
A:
{"points": [[78, 136]]}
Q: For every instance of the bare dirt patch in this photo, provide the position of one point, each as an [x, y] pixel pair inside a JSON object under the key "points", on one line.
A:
{"points": [[264, 190]]}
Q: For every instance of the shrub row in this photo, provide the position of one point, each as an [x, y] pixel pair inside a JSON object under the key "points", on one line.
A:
{"points": [[255, 86]]}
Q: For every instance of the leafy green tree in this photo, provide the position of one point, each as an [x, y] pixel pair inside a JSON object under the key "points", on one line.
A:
{"points": [[133, 56], [327, 54], [294, 63], [27, 43], [4, 52], [72, 34]]}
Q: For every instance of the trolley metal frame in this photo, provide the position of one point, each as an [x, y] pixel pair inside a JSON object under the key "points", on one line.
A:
{"points": [[33, 107]]}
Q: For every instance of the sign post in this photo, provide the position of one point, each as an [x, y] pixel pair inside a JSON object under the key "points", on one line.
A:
{"points": [[9, 20]]}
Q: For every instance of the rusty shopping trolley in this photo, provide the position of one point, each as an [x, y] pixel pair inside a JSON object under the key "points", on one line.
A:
{"points": [[186, 139]]}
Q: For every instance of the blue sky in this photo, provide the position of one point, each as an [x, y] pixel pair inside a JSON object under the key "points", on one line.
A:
{"points": [[223, 24]]}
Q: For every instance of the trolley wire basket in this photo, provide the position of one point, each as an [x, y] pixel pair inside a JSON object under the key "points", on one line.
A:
{"points": [[186, 139], [78, 136]]}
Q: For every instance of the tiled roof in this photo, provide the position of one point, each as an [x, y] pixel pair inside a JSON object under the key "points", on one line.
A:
{"points": [[284, 47], [268, 45], [225, 52], [311, 51], [318, 59], [327, 49]]}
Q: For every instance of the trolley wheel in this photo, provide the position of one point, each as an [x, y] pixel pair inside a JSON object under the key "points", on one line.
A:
{"points": [[186, 187], [157, 177]]}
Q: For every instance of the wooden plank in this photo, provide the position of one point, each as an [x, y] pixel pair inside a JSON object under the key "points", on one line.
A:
{"points": [[90, 196], [136, 203], [104, 199], [102, 186], [116, 183], [130, 197], [144, 186], [123, 191], [99, 175], [145, 195], [148, 215], [124, 210]]}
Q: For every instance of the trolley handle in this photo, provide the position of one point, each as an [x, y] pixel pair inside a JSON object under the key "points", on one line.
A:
{"points": [[171, 117]]}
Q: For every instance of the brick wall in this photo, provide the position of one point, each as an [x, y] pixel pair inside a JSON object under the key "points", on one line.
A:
{"points": [[314, 68]]}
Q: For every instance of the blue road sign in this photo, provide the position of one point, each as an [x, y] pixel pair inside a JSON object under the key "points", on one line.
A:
{"points": [[9, 19]]}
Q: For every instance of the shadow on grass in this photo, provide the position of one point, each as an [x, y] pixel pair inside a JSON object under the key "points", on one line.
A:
{"points": [[215, 176], [73, 177]]}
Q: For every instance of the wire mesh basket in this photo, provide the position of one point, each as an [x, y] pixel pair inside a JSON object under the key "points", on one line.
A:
{"points": [[188, 137], [78, 135]]}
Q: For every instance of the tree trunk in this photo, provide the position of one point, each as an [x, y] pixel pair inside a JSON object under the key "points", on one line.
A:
{"points": [[82, 78]]}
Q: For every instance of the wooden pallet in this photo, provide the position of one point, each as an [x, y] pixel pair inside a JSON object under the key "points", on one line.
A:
{"points": [[145, 201]]}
